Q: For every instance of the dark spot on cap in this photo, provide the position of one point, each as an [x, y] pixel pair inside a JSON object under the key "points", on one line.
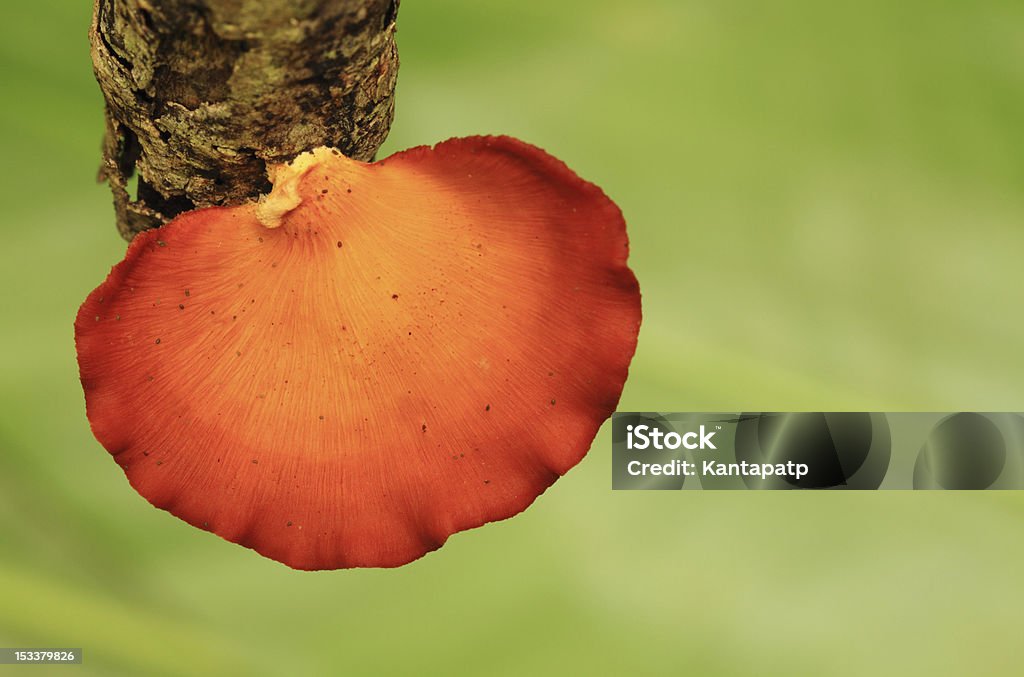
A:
{"points": [[158, 341]]}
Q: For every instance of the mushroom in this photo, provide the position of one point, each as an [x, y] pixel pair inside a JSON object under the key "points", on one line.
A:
{"points": [[369, 359]]}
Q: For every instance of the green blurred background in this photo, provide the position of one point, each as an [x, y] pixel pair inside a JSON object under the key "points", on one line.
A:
{"points": [[826, 208]]}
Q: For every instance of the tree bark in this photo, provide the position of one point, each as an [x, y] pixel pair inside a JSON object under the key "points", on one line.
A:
{"points": [[202, 94]]}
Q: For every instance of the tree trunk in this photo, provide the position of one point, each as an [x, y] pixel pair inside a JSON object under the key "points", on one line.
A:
{"points": [[202, 94]]}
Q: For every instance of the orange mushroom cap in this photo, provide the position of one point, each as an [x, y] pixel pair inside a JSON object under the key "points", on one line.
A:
{"points": [[371, 358]]}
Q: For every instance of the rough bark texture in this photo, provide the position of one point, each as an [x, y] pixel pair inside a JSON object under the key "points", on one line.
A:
{"points": [[202, 94]]}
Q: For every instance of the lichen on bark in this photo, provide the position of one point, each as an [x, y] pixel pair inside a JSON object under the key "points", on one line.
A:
{"points": [[202, 94]]}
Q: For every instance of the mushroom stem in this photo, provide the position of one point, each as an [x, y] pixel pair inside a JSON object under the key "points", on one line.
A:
{"points": [[285, 196], [203, 95]]}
